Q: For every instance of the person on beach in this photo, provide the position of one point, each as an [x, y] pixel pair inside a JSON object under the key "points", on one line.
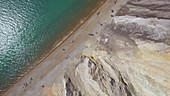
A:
{"points": [[26, 84], [91, 34], [43, 86], [100, 23], [98, 13], [112, 10], [72, 41], [63, 49], [67, 57]]}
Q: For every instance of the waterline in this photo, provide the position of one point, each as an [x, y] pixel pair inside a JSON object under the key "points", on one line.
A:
{"points": [[77, 26]]}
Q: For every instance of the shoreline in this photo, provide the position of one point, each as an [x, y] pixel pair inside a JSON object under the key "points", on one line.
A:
{"points": [[52, 69], [57, 44]]}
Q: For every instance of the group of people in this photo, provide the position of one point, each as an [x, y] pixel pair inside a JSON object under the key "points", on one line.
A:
{"points": [[26, 84]]}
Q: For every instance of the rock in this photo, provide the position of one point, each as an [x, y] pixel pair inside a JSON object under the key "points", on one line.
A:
{"points": [[147, 9]]}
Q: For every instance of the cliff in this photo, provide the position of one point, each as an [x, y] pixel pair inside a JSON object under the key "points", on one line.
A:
{"points": [[130, 58]]}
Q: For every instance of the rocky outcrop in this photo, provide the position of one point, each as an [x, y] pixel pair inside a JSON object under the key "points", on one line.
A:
{"points": [[147, 9]]}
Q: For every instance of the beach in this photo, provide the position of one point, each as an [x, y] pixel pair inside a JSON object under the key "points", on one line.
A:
{"points": [[54, 64]]}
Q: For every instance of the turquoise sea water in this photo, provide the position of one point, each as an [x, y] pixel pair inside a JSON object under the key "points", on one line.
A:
{"points": [[29, 29]]}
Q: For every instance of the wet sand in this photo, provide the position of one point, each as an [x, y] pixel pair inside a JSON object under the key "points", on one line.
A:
{"points": [[52, 66]]}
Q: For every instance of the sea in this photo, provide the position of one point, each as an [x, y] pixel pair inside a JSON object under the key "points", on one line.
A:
{"points": [[30, 28]]}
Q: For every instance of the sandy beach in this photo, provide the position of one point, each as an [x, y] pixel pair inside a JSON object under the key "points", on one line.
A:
{"points": [[37, 81]]}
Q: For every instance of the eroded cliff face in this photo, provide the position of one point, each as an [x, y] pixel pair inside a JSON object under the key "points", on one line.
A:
{"points": [[130, 57], [147, 9]]}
